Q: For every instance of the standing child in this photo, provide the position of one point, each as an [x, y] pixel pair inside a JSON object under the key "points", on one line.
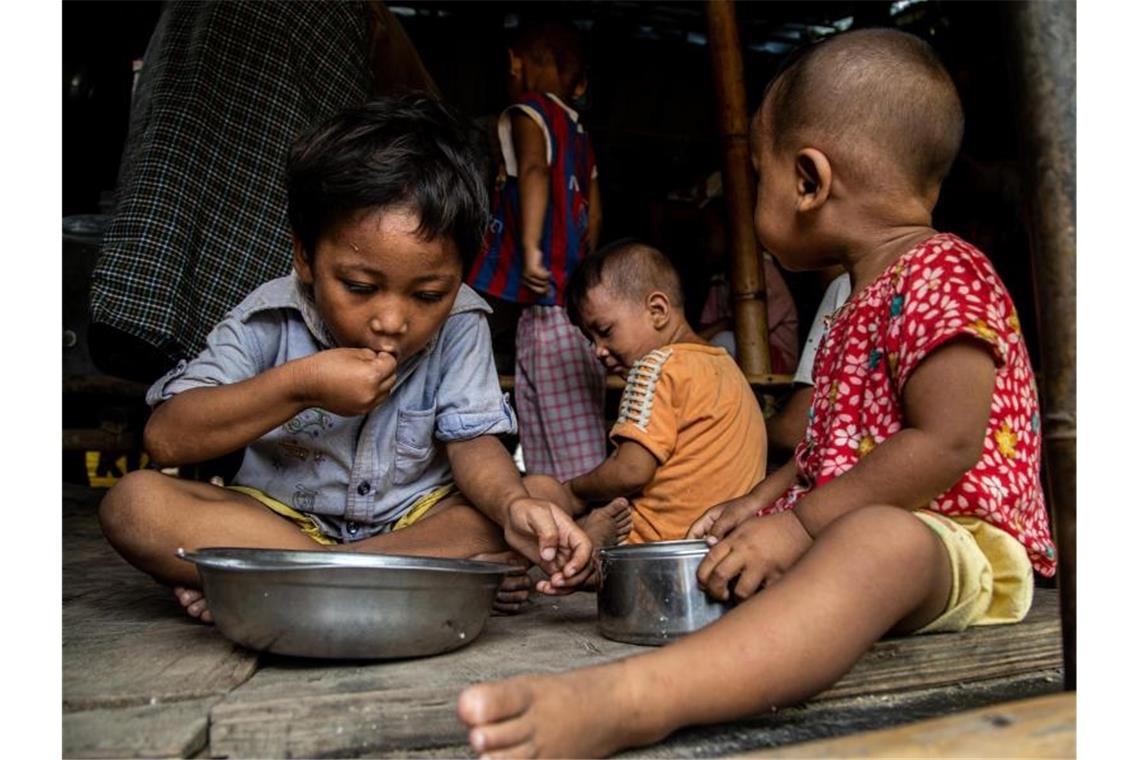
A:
{"points": [[687, 411], [361, 386], [546, 216], [914, 502]]}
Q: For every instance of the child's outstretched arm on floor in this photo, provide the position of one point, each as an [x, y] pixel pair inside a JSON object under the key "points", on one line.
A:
{"points": [[946, 406], [207, 422], [623, 473], [536, 528]]}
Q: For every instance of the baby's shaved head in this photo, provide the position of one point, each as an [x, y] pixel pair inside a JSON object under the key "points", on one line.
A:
{"points": [[873, 100], [628, 269]]}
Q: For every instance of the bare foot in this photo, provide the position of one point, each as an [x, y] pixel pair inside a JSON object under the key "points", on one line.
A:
{"points": [[608, 525], [194, 603], [514, 592], [580, 713]]}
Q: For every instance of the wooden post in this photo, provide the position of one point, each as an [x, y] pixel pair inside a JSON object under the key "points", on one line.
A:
{"points": [[749, 293], [1044, 37]]}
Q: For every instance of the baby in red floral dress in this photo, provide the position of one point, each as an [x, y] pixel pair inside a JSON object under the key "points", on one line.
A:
{"points": [[914, 502]]}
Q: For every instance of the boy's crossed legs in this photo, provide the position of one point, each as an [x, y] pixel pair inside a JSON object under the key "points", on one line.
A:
{"points": [[148, 516], [876, 570]]}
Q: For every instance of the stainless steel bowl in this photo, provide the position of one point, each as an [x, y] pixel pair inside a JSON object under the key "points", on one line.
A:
{"points": [[648, 593], [345, 605]]}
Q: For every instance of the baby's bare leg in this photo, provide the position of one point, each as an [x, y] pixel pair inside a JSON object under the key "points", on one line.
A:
{"points": [[872, 571], [147, 516]]}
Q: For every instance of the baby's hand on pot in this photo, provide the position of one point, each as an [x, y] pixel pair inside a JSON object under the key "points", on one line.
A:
{"points": [[719, 521], [756, 554]]}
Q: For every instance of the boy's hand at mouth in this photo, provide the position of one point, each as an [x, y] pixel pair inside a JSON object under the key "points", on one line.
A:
{"points": [[550, 538], [757, 553], [347, 381]]}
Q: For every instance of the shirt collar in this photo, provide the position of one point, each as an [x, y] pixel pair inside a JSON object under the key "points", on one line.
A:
{"points": [[573, 114]]}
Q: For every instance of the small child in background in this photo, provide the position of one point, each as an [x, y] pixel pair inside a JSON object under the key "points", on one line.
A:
{"points": [[687, 411], [717, 325], [361, 386], [914, 502], [546, 212]]}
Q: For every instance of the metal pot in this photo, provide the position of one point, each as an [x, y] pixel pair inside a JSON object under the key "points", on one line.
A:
{"points": [[345, 605], [648, 593]]}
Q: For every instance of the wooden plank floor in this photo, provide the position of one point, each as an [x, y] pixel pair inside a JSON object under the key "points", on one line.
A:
{"points": [[142, 680], [1042, 727]]}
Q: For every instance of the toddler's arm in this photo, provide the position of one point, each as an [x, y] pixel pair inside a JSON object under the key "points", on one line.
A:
{"points": [[534, 194], [625, 472], [721, 519], [946, 406], [538, 529], [206, 422]]}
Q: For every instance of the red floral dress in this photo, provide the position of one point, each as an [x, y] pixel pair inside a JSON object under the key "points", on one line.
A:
{"points": [[940, 289]]}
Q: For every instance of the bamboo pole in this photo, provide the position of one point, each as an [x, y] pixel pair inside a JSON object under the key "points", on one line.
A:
{"points": [[1044, 36], [749, 293]]}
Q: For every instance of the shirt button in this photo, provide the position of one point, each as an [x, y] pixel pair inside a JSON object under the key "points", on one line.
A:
{"points": [[352, 527], [364, 487]]}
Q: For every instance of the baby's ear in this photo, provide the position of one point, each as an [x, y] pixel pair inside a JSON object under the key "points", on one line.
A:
{"points": [[659, 308], [813, 179]]}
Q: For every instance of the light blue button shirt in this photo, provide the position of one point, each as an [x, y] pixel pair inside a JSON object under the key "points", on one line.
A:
{"points": [[356, 476]]}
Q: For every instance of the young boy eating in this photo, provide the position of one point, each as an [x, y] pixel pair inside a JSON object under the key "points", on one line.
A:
{"points": [[914, 502], [687, 410], [361, 386]]}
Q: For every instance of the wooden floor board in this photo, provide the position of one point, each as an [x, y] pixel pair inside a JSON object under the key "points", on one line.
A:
{"points": [[133, 659]]}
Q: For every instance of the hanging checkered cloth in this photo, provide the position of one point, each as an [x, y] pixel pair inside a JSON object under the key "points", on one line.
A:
{"points": [[200, 218], [559, 395]]}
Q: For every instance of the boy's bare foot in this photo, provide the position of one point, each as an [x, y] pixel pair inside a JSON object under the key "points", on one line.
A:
{"points": [[580, 713], [194, 602], [608, 525], [514, 591]]}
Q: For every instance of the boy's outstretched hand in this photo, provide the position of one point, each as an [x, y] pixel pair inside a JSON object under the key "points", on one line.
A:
{"points": [[550, 538], [757, 553]]}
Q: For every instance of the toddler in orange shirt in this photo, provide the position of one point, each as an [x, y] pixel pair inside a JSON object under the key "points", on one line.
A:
{"points": [[687, 411]]}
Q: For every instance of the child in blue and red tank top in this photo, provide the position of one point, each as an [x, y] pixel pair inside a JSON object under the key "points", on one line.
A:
{"points": [[546, 212]]}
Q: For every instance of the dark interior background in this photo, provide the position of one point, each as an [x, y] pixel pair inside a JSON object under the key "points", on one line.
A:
{"points": [[650, 107]]}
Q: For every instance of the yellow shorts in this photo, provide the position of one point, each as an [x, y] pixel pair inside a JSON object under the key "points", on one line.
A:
{"points": [[312, 529], [991, 576]]}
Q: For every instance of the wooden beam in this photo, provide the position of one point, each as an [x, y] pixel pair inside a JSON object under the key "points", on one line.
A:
{"points": [[749, 292], [1044, 37]]}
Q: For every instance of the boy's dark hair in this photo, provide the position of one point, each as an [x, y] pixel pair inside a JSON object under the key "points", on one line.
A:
{"points": [[881, 88], [409, 151], [546, 39], [630, 270]]}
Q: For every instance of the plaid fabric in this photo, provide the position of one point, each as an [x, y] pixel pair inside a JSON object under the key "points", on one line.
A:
{"points": [[200, 218], [559, 395]]}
